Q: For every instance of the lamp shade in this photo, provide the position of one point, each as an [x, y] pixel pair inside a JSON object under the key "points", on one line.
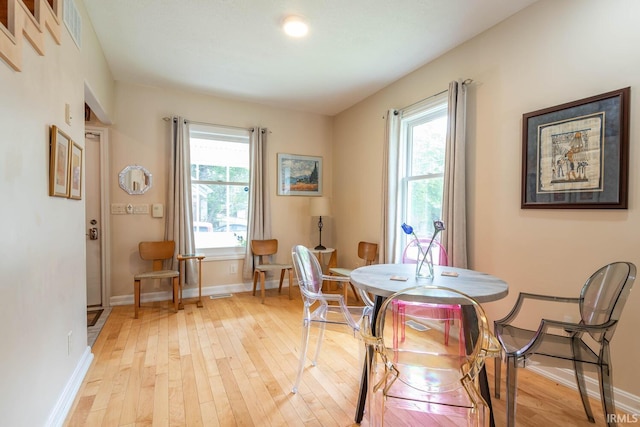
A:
{"points": [[320, 206]]}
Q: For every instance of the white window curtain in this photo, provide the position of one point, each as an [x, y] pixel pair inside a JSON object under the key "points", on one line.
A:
{"points": [[391, 203], [259, 203], [454, 214], [454, 207], [179, 224]]}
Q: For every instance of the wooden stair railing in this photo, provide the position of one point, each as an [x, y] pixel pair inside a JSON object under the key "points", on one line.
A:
{"points": [[27, 19]]}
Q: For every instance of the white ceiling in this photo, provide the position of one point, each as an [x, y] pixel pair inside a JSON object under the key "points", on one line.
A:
{"points": [[236, 49]]}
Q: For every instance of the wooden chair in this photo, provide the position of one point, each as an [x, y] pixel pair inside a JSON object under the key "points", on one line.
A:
{"points": [[262, 251], [366, 251], [157, 252]]}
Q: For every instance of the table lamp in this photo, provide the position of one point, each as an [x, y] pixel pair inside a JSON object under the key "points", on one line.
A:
{"points": [[320, 206]]}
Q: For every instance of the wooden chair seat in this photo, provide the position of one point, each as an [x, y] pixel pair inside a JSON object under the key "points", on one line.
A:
{"points": [[162, 274]]}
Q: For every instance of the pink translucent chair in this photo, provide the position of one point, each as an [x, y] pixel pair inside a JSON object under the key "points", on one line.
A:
{"points": [[410, 253], [447, 313]]}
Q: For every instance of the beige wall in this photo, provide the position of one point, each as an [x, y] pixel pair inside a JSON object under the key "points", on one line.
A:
{"points": [[551, 53], [43, 239], [140, 136]]}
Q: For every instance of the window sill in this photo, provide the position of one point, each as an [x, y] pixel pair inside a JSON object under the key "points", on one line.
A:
{"points": [[222, 254]]}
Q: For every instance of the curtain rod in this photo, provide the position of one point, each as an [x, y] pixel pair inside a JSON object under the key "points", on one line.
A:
{"points": [[396, 112], [166, 119]]}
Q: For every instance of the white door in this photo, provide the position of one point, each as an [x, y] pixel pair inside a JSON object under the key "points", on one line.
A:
{"points": [[94, 228]]}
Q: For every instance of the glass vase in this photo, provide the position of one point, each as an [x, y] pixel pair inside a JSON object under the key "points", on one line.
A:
{"points": [[424, 266]]}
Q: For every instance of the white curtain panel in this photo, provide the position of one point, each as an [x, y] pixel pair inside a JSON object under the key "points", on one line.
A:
{"points": [[391, 202], [454, 207], [259, 203], [454, 213], [179, 222]]}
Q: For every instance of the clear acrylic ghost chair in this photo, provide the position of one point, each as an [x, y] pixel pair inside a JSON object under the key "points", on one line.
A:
{"points": [[318, 307], [448, 312], [419, 380], [562, 343]]}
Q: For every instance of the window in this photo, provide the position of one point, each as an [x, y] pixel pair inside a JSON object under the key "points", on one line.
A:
{"points": [[423, 142], [219, 187]]}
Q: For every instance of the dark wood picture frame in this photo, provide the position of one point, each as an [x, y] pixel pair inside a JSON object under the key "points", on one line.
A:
{"points": [[576, 155]]}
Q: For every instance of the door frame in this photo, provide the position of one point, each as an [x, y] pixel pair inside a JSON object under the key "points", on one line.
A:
{"points": [[105, 232]]}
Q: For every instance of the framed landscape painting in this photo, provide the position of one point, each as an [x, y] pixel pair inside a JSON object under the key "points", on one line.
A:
{"points": [[576, 155], [299, 175]]}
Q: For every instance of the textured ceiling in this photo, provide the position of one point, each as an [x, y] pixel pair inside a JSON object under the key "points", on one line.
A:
{"points": [[236, 49]]}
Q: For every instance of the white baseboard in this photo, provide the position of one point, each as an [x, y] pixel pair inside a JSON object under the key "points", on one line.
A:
{"points": [[192, 292], [625, 401], [63, 405]]}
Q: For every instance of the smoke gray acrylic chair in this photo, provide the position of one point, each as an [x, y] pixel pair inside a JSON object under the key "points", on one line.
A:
{"points": [[560, 342], [329, 308], [419, 380]]}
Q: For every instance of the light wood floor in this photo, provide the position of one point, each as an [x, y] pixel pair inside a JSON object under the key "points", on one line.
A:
{"points": [[233, 363]]}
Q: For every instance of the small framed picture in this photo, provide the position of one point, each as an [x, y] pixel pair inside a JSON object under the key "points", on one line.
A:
{"points": [[75, 173], [576, 155], [59, 156], [299, 175]]}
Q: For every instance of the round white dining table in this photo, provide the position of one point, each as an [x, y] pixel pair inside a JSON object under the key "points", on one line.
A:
{"points": [[386, 279], [383, 280]]}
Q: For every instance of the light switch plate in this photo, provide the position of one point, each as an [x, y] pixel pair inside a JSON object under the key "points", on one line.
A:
{"points": [[141, 209], [67, 114], [157, 210], [118, 209]]}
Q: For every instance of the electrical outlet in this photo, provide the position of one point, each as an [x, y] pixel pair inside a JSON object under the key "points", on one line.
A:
{"points": [[69, 343], [233, 268]]}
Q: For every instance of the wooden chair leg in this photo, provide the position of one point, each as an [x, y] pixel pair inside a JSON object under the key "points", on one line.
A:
{"points": [[255, 280], [345, 288], [262, 277], [176, 293], [290, 281], [355, 293], [136, 298], [281, 280]]}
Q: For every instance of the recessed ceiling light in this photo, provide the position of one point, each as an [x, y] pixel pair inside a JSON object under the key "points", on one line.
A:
{"points": [[295, 26]]}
